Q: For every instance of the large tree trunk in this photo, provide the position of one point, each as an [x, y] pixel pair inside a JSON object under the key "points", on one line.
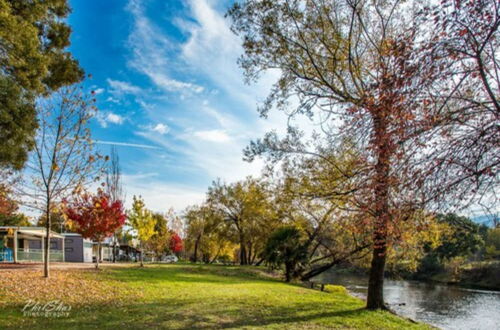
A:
{"points": [[375, 298], [46, 252]]}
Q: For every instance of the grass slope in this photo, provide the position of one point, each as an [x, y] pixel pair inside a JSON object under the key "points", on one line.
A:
{"points": [[183, 296]]}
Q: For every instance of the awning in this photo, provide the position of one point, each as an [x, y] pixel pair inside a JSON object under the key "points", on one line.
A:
{"points": [[32, 231], [39, 233]]}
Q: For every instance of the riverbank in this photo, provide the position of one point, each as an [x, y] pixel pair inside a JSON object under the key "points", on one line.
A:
{"points": [[476, 275], [482, 275], [181, 296]]}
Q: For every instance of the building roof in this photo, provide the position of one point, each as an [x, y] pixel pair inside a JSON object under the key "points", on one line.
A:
{"points": [[33, 231]]}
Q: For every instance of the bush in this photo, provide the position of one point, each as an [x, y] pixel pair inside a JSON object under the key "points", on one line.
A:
{"points": [[339, 289]]}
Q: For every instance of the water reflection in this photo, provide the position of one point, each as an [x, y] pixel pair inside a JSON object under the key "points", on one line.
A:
{"points": [[446, 307]]}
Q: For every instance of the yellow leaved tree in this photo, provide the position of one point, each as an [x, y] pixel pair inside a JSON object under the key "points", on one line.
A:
{"points": [[143, 222]]}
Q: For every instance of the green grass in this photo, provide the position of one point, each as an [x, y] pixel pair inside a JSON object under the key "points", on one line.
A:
{"points": [[193, 296]]}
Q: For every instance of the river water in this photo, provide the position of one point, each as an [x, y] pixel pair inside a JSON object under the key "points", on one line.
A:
{"points": [[446, 307]]}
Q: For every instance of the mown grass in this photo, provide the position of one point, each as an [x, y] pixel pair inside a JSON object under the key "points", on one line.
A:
{"points": [[194, 296]]}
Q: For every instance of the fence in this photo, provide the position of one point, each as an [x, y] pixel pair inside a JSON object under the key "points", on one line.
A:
{"points": [[32, 255]]}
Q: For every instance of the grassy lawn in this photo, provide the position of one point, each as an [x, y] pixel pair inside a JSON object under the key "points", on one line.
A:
{"points": [[182, 296]]}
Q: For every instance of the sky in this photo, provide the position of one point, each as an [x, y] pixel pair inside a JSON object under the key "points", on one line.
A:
{"points": [[171, 97]]}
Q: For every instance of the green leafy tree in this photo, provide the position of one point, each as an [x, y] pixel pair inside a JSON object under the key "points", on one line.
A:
{"points": [[492, 245], [18, 124], [143, 222], [287, 246], [34, 37], [464, 239]]}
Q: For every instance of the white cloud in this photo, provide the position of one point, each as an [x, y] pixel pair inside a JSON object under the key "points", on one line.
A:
{"points": [[112, 99], [160, 196], [171, 85], [216, 122], [98, 91], [114, 118], [104, 118], [151, 53], [121, 87], [161, 129], [214, 135]]}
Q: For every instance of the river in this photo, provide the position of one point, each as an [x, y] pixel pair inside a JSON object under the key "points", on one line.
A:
{"points": [[446, 307]]}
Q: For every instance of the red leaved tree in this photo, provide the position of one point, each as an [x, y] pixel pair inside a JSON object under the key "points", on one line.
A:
{"points": [[96, 216], [176, 245]]}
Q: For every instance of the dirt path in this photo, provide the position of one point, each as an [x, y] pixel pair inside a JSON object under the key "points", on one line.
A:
{"points": [[60, 265]]}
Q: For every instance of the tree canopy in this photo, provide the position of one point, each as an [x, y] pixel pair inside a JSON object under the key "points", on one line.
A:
{"points": [[34, 61]]}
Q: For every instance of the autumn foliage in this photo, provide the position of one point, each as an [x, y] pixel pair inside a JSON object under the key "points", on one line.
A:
{"points": [[96, 216], [176, 245]]}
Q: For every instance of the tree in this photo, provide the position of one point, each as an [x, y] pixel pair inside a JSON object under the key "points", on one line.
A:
{"points": [[114, 189], [465, 157], [58, 221], [9, 215], [33, 40], [492, 244], [463, 239], [364, 69], [18, 123], [159, 242], [207, 233], [96, 216], [175, 244], [245, 208], [143, 222], [63, 161], [287, 246]]}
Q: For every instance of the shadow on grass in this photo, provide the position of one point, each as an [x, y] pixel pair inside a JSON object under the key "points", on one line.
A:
{"points": [[172, 315]]}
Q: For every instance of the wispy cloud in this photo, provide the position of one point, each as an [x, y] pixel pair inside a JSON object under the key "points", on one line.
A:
{"points": [[215, 135], [151, 53], [122, 87], [105, 118]]}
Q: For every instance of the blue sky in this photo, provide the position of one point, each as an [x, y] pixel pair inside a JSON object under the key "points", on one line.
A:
{"points": [[171, 96]]}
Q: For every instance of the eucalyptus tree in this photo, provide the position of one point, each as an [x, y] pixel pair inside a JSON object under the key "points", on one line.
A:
{"points": [[364, 68]]}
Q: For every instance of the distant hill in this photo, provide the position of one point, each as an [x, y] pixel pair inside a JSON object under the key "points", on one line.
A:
{"points": [[485, 219]]}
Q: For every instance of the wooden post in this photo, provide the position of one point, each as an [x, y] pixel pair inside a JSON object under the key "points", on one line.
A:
{"points": [[15, 246], [43, 248], [63, 250]]}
